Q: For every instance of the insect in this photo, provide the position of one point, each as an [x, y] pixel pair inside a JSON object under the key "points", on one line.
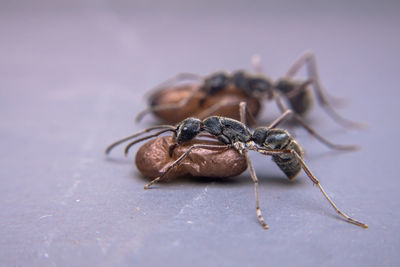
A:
{"points": [[233, 134], [220, 94]]}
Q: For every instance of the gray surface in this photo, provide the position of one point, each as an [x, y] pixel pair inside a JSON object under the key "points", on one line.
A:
{"points": [[72, 78]]}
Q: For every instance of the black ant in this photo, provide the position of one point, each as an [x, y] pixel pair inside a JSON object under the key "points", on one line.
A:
{"points": [[233, 134], [220, 94]]}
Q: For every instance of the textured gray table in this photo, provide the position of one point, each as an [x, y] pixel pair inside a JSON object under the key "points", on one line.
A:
{"points": [[72, 78]]}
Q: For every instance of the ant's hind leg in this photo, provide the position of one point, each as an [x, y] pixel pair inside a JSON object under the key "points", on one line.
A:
{"points": [[255, 181], [256, 62], [181, 158], [168, 83], [246, 114], [287, 112], [314, 180], [308, 59], [211, 110], [180, 77]]}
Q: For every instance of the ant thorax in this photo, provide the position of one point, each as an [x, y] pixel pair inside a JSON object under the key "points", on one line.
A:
{"points": [[280, 140], [228, 131]]}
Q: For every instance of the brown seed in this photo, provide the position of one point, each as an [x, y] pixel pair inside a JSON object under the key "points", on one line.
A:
{"points": [[172, 95], [153, 158]]}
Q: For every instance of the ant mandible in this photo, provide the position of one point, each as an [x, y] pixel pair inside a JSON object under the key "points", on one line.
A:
{"points": [[270, 141], [220, 94]]}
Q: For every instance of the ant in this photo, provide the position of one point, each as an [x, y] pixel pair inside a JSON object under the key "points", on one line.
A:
{"points": [[234, 134], [220, 94]]}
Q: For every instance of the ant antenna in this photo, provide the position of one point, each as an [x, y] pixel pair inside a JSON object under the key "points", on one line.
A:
{"points": [[110, 147], [145, 138]]}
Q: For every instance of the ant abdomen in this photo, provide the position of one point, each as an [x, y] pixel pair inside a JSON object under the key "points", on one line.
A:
{"points": [[300, 101], [279, 139], [288, 163]]}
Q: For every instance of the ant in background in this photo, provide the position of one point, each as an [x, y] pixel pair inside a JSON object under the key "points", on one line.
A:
{"points": [[233, 134], [220, 94]]}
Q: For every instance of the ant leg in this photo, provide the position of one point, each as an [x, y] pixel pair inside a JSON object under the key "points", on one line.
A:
{"points": [[314, 180], [181, 158], [256, 62], [299, 89], [284, 116], [255, 181], [173, 80], [308, 128], [209, 111], [308, 59], [178, 105], [243, 109]]}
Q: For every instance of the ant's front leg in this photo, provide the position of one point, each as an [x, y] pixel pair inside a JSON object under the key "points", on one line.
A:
{"points": [[286, 112], [181, 158], [163, 107], [243, 110]]}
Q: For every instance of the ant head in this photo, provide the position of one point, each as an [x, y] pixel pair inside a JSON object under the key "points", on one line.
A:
{"points": [[216, 82], [187, 130], [260, 85], [256, 85], [271, 138]]}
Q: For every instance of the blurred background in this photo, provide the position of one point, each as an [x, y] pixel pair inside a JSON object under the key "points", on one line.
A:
{"points": [[73, 75]]}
